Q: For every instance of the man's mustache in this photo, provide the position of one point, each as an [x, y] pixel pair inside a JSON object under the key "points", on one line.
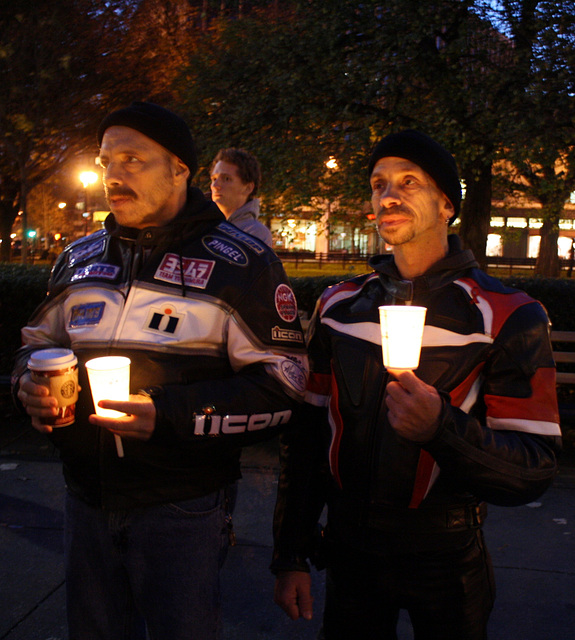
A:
{"points": [[394, 210], [113, 192]]}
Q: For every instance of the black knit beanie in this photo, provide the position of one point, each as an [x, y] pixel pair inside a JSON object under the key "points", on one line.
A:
{"points": [[159, 124], [425, 153]]}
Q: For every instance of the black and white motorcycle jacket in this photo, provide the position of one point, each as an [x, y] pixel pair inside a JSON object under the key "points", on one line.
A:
{"points": [[206, 315]]}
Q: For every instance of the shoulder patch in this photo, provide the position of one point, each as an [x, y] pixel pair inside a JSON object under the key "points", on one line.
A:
{"points": [[96, 270], [295, 374], [86, 250], [84, 315], [245, 238], [285, 302], [225, 249]]}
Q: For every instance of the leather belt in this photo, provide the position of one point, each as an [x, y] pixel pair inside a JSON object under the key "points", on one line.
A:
{"points": [[393, 519], [470, 516]]}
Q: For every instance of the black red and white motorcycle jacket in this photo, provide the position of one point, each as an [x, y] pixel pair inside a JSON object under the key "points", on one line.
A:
{"points": [[486, 349], [206, 315]]}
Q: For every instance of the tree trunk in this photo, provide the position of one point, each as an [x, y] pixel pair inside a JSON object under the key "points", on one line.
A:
{"points": [[24, 208], [7, 216], [548, 264], [476, 211]]}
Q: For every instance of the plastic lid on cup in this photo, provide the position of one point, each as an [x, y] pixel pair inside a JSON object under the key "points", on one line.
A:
{"points": [[48, 359]]}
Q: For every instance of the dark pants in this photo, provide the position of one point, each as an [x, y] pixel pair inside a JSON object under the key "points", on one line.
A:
{"points": [[154, 569], [446, 587]]}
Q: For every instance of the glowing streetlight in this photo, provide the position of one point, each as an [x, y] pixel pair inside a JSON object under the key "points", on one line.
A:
{"points": [[87, 178], [331, 163]]}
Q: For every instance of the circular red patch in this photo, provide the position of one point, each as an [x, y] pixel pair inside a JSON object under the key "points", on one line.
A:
{"points": [[286, 304]]}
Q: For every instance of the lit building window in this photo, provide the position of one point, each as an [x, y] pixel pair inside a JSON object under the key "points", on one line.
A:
{"points": [[310, 237], [564, 246], [566, 224], [494, 245], [535, 223], [497, 221], [517, 223], [533, 245]]}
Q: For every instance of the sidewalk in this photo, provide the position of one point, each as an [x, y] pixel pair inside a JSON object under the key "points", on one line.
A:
{"points": [[533, 549]]}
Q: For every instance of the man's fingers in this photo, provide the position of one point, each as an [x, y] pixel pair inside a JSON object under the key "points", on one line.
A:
{"points": [[40, 426], [292, 593], [406, 378], [305, 601]]}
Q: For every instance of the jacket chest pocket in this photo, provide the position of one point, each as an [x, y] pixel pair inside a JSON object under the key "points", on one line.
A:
{"points": [[358, 367]]}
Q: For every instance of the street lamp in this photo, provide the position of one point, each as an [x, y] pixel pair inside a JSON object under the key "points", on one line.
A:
{"points": [[87, 178], [332, 164]]}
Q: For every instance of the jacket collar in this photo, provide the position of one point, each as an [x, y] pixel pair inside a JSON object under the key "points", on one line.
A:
{"points": [[444, 271]]}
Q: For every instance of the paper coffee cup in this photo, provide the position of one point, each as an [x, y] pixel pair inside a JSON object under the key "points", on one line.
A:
{"points": [[401, 335], [57, 369]]}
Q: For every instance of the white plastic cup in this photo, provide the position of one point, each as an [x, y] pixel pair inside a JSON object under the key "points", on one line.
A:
{"points": [[109, 378], [57, 369], [401, 335]]}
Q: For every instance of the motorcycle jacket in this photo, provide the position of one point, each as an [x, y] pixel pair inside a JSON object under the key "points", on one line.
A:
{"points": [[206, 315], [486, 349]]}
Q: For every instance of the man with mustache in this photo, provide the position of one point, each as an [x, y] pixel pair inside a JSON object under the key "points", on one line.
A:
{"points": [[206, 315], [405, 461]]}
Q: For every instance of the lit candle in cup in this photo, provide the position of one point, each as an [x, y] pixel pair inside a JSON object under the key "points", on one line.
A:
{"points": [[109, 378], [401, 335]]}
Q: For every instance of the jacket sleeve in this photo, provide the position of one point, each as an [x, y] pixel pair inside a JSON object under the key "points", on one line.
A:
{"points": [[268, 372], [302, 489], [504, 448], [48, 336], [305, 475]]}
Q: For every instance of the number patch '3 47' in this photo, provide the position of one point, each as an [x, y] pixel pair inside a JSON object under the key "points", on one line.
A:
{"points": [[196, 272]]}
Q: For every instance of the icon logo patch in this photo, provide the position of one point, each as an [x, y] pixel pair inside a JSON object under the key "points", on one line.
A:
{"points": [[163, 319], [287, 335]]}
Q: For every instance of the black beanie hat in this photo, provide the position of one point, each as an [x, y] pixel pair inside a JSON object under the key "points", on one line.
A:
{"points": [[159, 124], [427, 154]]}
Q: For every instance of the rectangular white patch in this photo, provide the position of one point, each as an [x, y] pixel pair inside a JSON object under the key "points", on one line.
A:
{"points": [[196, 272]]}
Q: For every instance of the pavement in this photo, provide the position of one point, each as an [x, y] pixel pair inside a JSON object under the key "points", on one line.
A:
{"points": [[533, 550]]}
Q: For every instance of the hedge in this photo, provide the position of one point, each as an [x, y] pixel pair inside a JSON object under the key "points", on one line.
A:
{"points": [[22, 289]]}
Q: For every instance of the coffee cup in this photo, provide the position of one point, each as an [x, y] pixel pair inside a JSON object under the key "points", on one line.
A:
{"points": [[57, 369]]}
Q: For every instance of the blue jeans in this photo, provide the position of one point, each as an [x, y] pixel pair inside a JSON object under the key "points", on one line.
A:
{"points": [[151, 570]]}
